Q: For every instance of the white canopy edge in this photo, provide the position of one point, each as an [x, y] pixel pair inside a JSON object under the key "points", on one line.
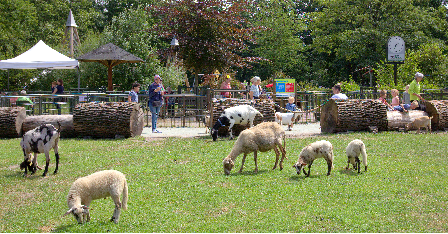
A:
{"points": [[39, 56]]}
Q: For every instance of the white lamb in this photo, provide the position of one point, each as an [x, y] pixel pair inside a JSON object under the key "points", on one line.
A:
{"points": [[242, 114], [318, 149], [39, 140], [263, 137], [353, 150], [286, 118], [98, 185]]}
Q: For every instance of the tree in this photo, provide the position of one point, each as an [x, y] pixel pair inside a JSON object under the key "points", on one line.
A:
{"points": [[353, 34], [211, 33]]}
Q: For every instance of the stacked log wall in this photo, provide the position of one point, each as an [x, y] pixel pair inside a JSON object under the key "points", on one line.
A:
{"points": [[438, 109], [66, 122], [11, 119]]}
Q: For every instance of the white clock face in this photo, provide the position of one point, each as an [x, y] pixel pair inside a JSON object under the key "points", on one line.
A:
{"points": [[395, 44]]}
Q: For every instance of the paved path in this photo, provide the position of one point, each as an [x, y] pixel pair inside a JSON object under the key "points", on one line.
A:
{"points": [[299, 130]]}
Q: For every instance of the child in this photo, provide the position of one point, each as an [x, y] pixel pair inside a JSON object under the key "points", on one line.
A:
{"points": [[383, 95], [406, 96], [291, 105], [133, 95], [396, 101], [406, 107], [53, 85]]}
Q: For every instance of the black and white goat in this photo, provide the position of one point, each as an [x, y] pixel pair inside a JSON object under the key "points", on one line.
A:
{"points": [[39, 140], [242, 114]]}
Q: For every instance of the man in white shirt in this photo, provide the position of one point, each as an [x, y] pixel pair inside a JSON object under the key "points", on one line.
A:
{"points": [[337, 92]]}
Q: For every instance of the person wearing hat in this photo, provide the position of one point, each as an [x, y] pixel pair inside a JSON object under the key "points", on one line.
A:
{"points": [[255, 88], [226, 85], [155, 101], [414, 90]]}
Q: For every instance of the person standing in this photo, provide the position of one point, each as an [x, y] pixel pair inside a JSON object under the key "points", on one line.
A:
{"points": [[133, 94], [59, 89], [226, 85], [255, 88], [155, 101], [414, 90]]}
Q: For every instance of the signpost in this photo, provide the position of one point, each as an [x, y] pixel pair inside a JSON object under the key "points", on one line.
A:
{"points": [[285, 87], [395, 53]]}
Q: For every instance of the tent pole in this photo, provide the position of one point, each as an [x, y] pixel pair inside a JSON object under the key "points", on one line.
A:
{"points": [[8, 79]]}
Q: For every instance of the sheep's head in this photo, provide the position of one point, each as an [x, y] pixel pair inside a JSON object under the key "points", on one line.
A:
{"points": [[214, 133], [79, 212], [228, 165], [298, 166]]}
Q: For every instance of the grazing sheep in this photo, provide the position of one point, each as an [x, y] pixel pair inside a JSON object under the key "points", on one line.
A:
{"points": [[318, 149], [40, 140], [420, 122], [286, 118], [353, 150], [102, 184], [242, 114], [263, 137]]}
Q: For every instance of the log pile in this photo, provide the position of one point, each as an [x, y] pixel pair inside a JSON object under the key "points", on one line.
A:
{"points": [[397, 120], [11, 119], [438, 109], [66, 121], [353, 115], [264, 106], [108, 120]]}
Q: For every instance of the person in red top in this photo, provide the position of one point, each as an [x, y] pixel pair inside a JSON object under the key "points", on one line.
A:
{"points": [[226, 85], [383, 95]]}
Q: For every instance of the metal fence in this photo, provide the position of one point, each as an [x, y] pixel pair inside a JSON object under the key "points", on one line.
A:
{"points": [[185, 109]]}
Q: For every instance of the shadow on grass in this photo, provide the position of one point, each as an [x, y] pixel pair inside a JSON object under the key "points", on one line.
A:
{"points": [[350, 172], [249, 173], [94, 224], [303, 177]]}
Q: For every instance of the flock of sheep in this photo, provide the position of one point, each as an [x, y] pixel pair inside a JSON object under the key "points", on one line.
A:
{"points": [[262, 137]]}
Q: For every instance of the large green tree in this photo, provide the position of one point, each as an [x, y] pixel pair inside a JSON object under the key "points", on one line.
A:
{"points": [[353, 34]]}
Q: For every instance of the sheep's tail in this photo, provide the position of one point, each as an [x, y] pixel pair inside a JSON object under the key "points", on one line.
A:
{"points": [[124, 203], [364, 154]]}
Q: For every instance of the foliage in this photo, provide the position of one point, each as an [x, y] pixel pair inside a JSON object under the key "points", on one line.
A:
{"points": [[348, 86], [210, 33], [178, 185], [172, 76], [428, 59], [352, 34]]}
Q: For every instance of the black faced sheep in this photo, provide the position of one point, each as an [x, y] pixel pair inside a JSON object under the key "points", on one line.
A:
{"points": [[242, 114], [353, 150], [318, 149], [263, 137], [102, 184], [40, 140]]}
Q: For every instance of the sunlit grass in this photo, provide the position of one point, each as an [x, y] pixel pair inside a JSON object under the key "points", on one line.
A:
{"points": [[178, 185]]}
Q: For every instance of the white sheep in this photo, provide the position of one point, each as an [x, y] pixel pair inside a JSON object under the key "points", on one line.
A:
{"points": [[318, 149], [40, 140], [263, 137], [353, 150], [102, 184], [286, 118], [242, 114]]}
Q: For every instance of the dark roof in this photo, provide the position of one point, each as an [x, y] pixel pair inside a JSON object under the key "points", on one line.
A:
{"points": [[109, 55]]}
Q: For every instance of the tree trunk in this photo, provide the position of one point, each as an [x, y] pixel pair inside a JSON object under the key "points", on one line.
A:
{"points": [[438, 109], [11, 119], [108, 120], [397, 119], [66, 121], [353, 115]]}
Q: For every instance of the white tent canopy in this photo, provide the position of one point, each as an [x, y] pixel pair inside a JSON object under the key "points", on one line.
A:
{"points": [[39, 56]]}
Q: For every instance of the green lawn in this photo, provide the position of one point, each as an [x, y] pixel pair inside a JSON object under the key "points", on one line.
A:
{"points": [[178, 185]]}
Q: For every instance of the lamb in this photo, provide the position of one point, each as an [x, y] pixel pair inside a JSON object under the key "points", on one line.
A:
{"points": [[98, 185], [286, 118], [263, 137], [40, 140], [318, 149], [419, 122], [242, 114], [353, 150]]}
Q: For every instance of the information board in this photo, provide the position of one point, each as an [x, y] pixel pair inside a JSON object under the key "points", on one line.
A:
{"points": [[285, 87]]}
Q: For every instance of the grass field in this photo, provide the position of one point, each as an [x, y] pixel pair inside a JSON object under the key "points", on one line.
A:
{"points": [[178, 185]]}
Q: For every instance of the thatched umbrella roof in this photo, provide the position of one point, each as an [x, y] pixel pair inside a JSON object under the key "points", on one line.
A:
{"points": [[109, 55]]}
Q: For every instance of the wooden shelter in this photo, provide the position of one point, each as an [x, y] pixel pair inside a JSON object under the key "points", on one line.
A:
{"points": [[109, 55]]}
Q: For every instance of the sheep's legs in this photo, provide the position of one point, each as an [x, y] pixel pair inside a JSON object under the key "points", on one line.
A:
{"points": [[330, 165], [57, 163], [277, 155], [283, 155], [117, 211], [358, 164], [309, 170], [242, 163], [47, 162], [255, 159]]}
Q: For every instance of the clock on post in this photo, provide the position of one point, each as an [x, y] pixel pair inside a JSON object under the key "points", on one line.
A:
{"points": [[395, 49]]}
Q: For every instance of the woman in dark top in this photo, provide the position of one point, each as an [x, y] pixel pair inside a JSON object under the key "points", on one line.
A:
{"points": [[155, 101], [59, 89]]}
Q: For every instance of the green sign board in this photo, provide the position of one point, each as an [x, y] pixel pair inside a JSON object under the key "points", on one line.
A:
{"points": [[285, 87]]}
